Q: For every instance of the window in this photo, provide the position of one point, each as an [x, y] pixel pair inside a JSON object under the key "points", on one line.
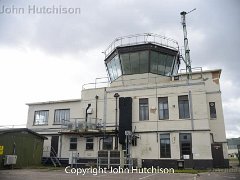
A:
{"points": [[134, 63], [89, 143], [165, 150], [163, 108], [143, 109], [107, 143], [134, 141], [114, 68], [183, 107], [73, 143], [185, 144], [62, 116], [212, 110], [41, 117], [161, 63]]}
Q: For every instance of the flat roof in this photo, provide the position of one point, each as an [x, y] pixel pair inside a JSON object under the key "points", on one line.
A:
{"points": [[204, 71], [54, 102]]}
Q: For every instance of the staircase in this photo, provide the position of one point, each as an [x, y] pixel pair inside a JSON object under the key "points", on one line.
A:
{"points": [[53, 159], [53, 156]]}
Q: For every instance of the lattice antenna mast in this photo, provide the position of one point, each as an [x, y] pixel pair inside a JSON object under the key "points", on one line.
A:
{"points": [[186, 47]]}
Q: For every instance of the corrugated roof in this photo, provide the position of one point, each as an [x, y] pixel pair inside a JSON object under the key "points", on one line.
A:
{"points": [[5, 131]]}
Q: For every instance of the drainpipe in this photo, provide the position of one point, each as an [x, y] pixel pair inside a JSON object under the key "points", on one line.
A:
{"points": [[116, 95], [89, 105], [191, 108], [96, 97]]}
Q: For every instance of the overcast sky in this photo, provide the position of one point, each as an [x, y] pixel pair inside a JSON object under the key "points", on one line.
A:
{"points": [[47, 57]]}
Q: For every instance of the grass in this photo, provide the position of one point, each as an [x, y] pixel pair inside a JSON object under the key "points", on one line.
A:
{"points": [[190, 171]]}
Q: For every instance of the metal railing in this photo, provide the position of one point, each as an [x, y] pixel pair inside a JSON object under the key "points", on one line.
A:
{"points": [[78, 124], [194, 70], [141, 39], [99, 83]]}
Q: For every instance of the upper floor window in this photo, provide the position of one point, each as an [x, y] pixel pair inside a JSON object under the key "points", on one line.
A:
{"points": [[73, 143], [163, 108], [143, 109], [62, 116], [183, 105], [41, 117], [212, 107], [89, 143]]}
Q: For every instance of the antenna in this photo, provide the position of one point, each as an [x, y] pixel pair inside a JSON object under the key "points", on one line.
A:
{"points": [[186, 47]]}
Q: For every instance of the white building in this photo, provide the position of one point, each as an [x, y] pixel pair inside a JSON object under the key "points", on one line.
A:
{"points": [[233, 147], [172, 118]]}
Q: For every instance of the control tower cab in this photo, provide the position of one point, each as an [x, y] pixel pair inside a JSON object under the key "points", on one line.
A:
{"points": [[148, 55]]}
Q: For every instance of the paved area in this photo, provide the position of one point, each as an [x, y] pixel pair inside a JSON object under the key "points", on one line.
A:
{"points": [[40, 174]]}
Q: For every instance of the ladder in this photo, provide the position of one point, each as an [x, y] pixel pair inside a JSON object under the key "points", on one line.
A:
{"points": [[53, 157]]}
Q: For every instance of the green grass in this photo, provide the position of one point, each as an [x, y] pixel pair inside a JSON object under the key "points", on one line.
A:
{"points": [[190, 171], [48, 168]]}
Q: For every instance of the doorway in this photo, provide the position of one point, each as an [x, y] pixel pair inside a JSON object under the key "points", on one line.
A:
{"points": [[186, 149], [54, 146], [217, 155]]}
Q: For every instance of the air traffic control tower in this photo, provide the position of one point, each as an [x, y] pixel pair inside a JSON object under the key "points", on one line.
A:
{"points": [[142, 54]]}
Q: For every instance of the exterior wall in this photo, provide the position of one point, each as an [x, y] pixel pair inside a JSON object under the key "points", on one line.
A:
{"points": [[47, 146], [81, 147], [201, 89], [75, 112]]}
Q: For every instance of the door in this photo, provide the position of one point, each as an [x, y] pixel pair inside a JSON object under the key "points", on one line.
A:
{"points": [[54, 146], [217, 154], [186, 149]]}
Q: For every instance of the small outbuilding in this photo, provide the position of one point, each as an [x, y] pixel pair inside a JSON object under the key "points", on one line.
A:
{"points": [[20, 148]]}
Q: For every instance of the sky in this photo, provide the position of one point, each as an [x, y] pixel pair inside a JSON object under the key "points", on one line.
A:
{"points": [[48, 56]]}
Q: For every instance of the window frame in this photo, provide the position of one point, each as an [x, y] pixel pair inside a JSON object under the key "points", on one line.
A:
{"points": [[105, 140], [214, 111], [163, 100], [45, 122], [167, 150], [143, 109], [182, 102], [61, 121], [185, 142], [89, 143], [71, 143]]}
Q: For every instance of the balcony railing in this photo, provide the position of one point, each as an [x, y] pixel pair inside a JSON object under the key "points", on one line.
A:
{"points": [[141, 39], [80, 124]]}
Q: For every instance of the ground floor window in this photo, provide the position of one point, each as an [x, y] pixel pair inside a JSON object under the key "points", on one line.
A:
{"points": [[107, 143], [73, 143], [89, 143], [165, 150]]}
